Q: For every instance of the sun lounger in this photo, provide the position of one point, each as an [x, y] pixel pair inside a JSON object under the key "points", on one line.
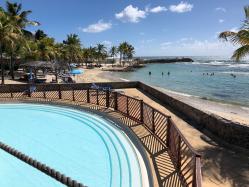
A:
{"points": [[103, 88]]}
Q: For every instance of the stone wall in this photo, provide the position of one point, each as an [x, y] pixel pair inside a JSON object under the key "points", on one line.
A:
{"points": [[229, 131]]}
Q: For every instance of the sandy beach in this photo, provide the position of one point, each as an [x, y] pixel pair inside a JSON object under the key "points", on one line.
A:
{"points": [[231, 112]]}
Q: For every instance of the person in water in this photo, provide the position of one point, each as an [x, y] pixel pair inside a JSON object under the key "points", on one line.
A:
{"points": [[168, 73], [149, 72], [162, 73]]}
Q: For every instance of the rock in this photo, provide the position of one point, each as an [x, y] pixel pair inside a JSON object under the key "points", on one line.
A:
{"points": [[169, 60]]}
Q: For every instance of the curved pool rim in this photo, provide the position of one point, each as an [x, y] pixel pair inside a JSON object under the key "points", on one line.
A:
{"points": [[137, 146]]}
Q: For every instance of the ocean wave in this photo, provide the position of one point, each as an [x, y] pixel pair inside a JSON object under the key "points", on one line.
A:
{"points": [[126, 80], [176, 92], [236, 73], [239, 65], [213, 63], [230, 64]]}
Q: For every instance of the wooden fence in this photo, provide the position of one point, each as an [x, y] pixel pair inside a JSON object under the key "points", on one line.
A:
{"points": [[185, 160]]}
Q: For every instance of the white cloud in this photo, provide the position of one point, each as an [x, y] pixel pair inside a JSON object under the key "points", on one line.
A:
{"points": [[234, 29], [181, 7], [197, 47], [185, 39], [165, 45], [158, 9], [147, 41], [221, 9], [107, 43], [131, 14], [221, 20], [100, 26]]}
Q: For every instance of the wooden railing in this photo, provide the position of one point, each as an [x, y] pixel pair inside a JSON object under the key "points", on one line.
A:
{"points": [[185, 160]]}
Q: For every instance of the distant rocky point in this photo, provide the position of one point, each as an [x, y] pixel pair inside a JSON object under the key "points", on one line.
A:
{"points": [[168, 60]]}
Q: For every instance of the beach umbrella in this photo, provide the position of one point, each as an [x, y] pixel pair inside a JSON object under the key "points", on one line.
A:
{"points": [[76, 71]]}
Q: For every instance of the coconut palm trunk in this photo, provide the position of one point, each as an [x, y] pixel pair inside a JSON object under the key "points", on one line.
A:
{"points": [[12, 66], [120, 58]]}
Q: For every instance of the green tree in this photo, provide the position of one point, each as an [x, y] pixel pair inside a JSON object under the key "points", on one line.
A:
{"points": [[9, 34], [101, 52], [39, 34], [18, 18], [239, 38], [121, 50], [113, 52], [72, 49], [126, 51]]}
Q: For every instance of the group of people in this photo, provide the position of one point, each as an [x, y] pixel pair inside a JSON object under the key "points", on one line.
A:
{"points": [[162, 73], [211, 74]]}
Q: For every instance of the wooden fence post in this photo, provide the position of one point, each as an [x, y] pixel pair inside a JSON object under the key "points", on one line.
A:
{"points": [[153, 121], [97, 97], [11, 93], [168, 132], [127, 105], [115, 94], [29, 92], [179, 153], [87, 96], [197, 172], [59, 91], [73, 95], [107, 97], [141, 111]]}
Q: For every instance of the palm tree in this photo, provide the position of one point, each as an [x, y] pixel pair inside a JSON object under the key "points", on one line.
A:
{"points": [[239, 38], [20, 19], [9, 33], [39, 34], [113, 52], [126, 51], [121, 50], [46, 48], [72, 48], [101, 52], [130, 51]]}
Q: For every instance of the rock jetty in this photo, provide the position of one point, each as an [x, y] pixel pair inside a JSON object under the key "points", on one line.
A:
{"points": [[168, 60]]}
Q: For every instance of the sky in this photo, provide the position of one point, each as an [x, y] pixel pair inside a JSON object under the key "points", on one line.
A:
{"points": [[153, 27]]}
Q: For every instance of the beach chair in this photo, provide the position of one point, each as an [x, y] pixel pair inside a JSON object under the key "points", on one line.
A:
{"points": [[103, 88]]}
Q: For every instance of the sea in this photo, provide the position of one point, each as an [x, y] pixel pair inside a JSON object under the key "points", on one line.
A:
{"points": [[212, 78]]}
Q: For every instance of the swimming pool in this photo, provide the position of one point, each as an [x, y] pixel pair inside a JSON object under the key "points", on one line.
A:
{"points": [[83, 146]]}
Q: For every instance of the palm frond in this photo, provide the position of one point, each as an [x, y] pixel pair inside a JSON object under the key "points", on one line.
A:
{"points": [[241, 52], [246, 9], [226, 35]]}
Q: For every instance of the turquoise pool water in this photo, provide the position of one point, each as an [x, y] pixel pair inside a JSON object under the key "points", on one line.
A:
{"points": [[81, 145]]}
